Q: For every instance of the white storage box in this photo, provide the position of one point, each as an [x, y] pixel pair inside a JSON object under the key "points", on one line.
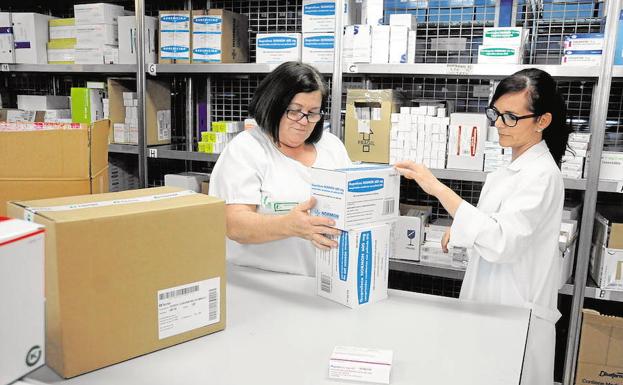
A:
{"points": [[318, 48], [466, 141], [30, 32], [276, 48], [7, 44], [99, 13], [127, 39], [42, 102]]}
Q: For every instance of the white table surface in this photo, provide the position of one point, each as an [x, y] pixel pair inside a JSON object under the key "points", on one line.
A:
{"points": [[279, 332]]}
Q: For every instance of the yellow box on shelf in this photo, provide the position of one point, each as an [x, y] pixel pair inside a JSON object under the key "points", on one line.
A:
{"points": [[62, 28], [62, 51]]}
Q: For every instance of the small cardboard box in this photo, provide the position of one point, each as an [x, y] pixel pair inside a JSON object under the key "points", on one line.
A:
{"points": [[600, 360], [53, 163], [127, 39], [318, 47], [276, 48], [368, 124], [187, 180], [356, 272], [119, 282], [175, 37], [356, 196], [408, 237], [606, 263], [219, 36], [30, 33], [22, 325], [158, 98]]}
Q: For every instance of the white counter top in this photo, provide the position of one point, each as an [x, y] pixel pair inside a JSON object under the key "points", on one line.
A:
{"points": [[279, 332]]}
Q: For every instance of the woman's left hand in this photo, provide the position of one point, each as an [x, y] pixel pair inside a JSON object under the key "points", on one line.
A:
{"points": [[421, 175]]}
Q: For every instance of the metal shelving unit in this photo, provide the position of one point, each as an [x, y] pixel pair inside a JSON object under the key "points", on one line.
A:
{"points": [[71, 68], [122, 148], [217, 68], [164, 152]]}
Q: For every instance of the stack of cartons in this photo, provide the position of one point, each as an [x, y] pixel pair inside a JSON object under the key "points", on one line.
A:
{"points": [[363, 202], [502, 45], [30, 32], [319, 30], [573, 161], [219, 36], [403, 38], [97, 33], [127, 39], [62, 44]]}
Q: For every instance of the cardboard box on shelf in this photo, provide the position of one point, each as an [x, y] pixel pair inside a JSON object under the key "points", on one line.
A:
{"points": [[30, 32], [356, 196], [358, 43], [62, 29], [398, 44], [97, 35], [584, 41], [42, 102], [380, 44], [125, 295], [405, 19], [600, 359], [86, 105], [581, 58], [319, 15], [175, 37], [466, 142], [499, 55], [12, 115], [606, 261], [372, 12], [98, 13], [53, 163], [504, 36], [318, 48], [158, 102], [276, 48], [408, 237], [368, 124], [187, 180], [127, 39], [356, 272], [7, 44], [219, 36], [22, 326], [62, 51]]}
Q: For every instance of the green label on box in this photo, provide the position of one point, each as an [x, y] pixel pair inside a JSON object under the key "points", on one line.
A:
{"points": [[502, 34], [497, 52]]}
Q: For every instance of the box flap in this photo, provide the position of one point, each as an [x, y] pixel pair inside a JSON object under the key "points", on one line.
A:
{"points": [[58, 154], [84, 207], [99, 146]]}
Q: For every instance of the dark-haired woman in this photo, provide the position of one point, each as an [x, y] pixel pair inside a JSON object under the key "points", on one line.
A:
{"points": [[512, 235], [263, 174]]}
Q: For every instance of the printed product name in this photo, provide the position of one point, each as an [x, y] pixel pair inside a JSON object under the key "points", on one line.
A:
{"points": [[497, 52], [207, 51], [364, 267], [503, 34], [174, 49], [325, 214], [319, 9], [365, 185], [320, 42], [611, 375], [276, 43], [343, 256], [207, 20], [175, 19]]}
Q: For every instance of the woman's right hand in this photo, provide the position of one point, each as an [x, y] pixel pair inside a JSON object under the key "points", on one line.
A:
{"points": [[445, 240], [313, 228]]}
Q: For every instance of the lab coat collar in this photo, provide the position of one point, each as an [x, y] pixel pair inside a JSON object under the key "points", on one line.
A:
{"points": [[527, 157]]}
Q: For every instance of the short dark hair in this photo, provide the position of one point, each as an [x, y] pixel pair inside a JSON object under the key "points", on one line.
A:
{"points": [[275, 92], [544, 97]]}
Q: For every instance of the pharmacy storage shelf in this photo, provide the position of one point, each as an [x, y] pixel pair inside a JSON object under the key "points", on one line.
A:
{"points": [[592, 291], [167, 153], [122, 148], [491, 71], [216, 68], [71, 68], [426, 269]]}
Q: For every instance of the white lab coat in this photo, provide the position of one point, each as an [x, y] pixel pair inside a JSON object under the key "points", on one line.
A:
{"points": [[512, 241]]}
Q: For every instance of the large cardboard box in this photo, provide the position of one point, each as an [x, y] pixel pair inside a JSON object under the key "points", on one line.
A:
{"points": [[158, 98], [368, 124], [356, 196], [22, 324], [127, 39], [219, 36], [53, 163], [600, 360], [356, 272], [129, 273], [606, 262]]}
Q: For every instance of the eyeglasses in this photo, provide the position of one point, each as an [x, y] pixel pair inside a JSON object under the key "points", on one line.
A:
{"points": [[298, 115], [508, 119]]}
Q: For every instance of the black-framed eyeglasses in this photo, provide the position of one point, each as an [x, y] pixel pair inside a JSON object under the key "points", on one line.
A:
{"points": [[298, 115], [508, 119]]}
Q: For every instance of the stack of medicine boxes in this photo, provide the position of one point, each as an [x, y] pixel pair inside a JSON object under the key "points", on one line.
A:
{"points": [[97, 34], [62, 44], [573, 160], [367, 42], [496, 156], [420, 134], [318, 31], [584, 49], [502, 45], [214, 142], [363, 202]]}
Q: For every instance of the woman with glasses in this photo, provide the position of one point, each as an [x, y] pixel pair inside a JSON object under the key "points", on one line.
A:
{"points": [[263, 174], [512, 235]]}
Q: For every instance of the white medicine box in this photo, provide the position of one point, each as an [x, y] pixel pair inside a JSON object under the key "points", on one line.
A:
{"points": [[356, 196], [277, 48], [466, 143], [356, 272], [23, 305], [318, 47], [127, 39], [30, 32], [408, 237]]}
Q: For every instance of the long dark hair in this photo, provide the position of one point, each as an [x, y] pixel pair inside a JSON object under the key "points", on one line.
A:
{"points": [[544, 97], [275, 92]]}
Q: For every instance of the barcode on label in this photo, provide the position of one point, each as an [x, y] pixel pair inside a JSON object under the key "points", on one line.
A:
{"points": [[388, 207], [213, 304], [325, 283], [178, 292]]}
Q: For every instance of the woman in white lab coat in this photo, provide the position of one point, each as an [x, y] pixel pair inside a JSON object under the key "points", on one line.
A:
{"points": [[512, 235], [264, 174]]}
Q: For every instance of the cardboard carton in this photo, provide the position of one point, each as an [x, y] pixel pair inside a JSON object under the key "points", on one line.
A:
{"points": [[219, 36], [600, 360], [22, 323], [120, 281], [175, 37], [53, 163]]}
